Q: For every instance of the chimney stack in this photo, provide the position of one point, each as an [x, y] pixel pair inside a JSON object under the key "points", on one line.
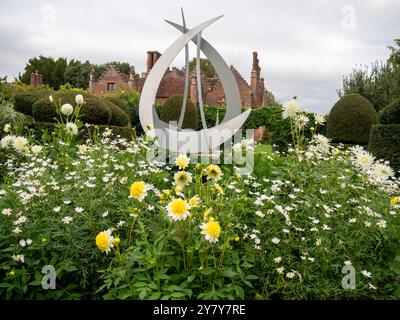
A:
{"points": [[149, 60], [36, 79]]}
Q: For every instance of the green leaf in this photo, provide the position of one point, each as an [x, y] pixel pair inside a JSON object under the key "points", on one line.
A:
{"points": [[142, 294], [155, 296], [228, 273], [207, 271]]}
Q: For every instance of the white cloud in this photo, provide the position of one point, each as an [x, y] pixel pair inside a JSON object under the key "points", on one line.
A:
{"points": [[303, 48]]}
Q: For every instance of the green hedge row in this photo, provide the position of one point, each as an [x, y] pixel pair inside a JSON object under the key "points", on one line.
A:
{"points": [[124, 132], [384, 143], [94, 111], [23, 101]]}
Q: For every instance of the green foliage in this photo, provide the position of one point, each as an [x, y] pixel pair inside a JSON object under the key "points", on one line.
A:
{"points": [[94, 110], [391, 113], [278, 130], [350, 120], [17, 120], [380, 84], [290, 214], [131, 98], [118, 102], [384, 143], [24, 100], [52, 70], [118, 116], [46, 128], [59, 72], [69, 87], [172, 109], [77, 73], [206, 67]]}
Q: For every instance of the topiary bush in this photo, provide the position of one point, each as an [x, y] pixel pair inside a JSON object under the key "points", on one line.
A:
{"points": [[23, 101], [172, 110], [351, 119], [118, 116], [384, 143], [391, 113], [95, 110], [118, 102]]}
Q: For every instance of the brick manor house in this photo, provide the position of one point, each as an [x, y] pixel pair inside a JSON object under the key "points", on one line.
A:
{"points": [[252, 94]]}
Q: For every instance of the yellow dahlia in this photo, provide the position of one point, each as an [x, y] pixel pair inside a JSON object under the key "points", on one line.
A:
{"points": [[394, 200], [105, 241], [211, 230], [194, 201], [178, 209], [182, 161], [182, 178], [213, 172], [138, 190]]}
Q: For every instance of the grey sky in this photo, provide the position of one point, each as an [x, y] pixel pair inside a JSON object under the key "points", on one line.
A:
{"points": [[305, 47]]}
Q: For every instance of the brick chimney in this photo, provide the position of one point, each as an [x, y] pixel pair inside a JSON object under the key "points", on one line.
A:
{"points": [[36, 79], [156, 56], [150, 61], [92, 80], [255, 73], [132, 78]]}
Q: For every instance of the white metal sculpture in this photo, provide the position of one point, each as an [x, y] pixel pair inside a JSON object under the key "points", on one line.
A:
{"points": [[173, 137]]}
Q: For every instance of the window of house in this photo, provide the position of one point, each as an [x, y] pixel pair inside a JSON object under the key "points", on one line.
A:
{"points": [[111, 86]]}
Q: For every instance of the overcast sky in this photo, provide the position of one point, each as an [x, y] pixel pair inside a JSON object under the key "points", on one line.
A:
{"points": [[304, 47]]}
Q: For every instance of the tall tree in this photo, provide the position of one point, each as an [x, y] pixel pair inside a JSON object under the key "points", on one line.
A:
{"points": [[379, 83], [52, 70]]}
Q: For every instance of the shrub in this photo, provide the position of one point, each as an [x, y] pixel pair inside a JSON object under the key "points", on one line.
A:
{"points": [[172, 110], [350, 120], [118, 116], [17, 120], [391, 113], [24, 100], [94, 110], [124, 132], [384, 143], [118, 102], [277, 129]]}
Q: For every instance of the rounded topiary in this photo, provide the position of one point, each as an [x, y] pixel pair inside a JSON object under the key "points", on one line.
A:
{"points": [[23, 101], [118, 116], [94, 110], [119, 103], [391, 113], [172, 109], [384, 143], [350, 120]]}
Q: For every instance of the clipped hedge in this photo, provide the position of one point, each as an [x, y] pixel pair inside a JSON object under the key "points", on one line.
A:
{"points": [[384, 143], [391, 113], [118, 102], [124, 132], [278, 130], [94, 111], [118, 116], [23, 101], [351, 119], [172, 110]]}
